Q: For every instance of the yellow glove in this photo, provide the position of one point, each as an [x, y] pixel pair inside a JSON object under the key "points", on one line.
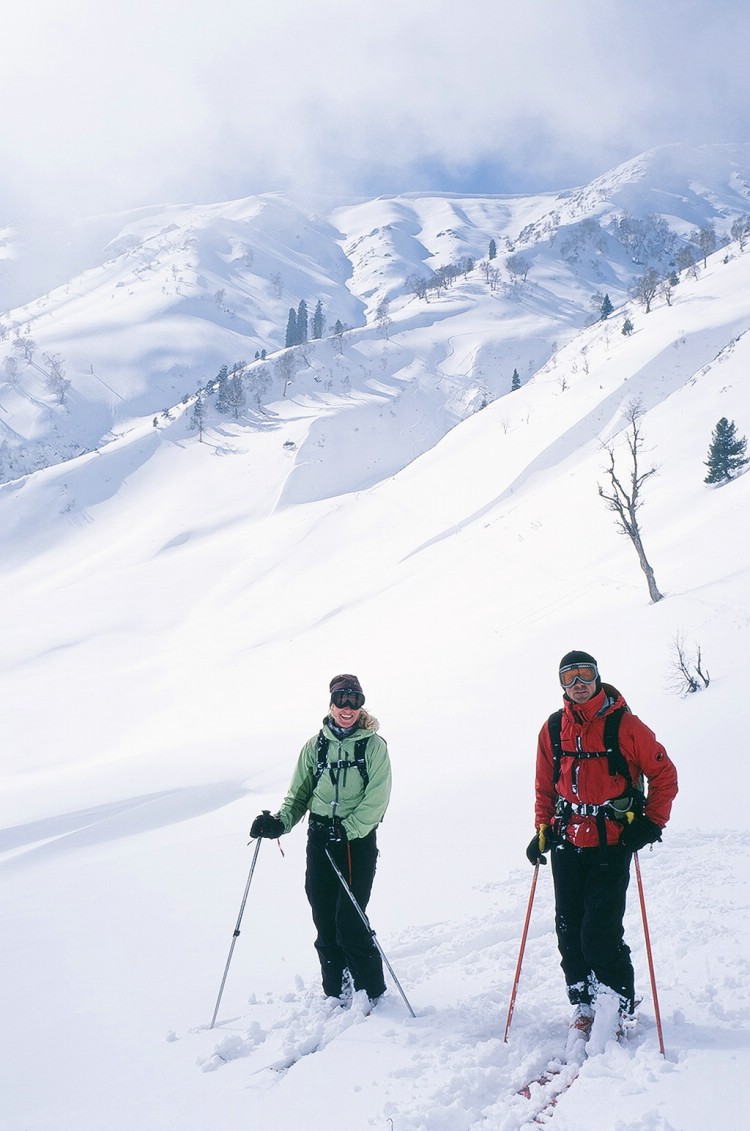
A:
{"points": [[538, 846]]}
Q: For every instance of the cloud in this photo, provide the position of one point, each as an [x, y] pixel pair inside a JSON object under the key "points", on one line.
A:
{"points": [[121, 104]]}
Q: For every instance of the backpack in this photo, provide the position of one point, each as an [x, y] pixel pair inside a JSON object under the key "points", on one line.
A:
{"points": [[632, 799], [323, 764], [615, 757]]}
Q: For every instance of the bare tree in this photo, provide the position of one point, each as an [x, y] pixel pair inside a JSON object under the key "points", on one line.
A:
{"points": [[57, 382], [338, 335], [740, 230], [686, 674], [285, 366], [625, 500], [645, 288], [417, 284], [260, 376], [705, 240], [383, 317], [25, 345], [518, 267], [685, 261], [666, 289]]}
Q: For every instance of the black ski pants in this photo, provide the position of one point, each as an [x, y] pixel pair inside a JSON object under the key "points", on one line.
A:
{"points": [[590, 892], [343, 941]]}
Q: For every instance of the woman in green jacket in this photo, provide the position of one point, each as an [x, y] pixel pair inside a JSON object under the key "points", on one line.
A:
{"points": [[343, 779]]}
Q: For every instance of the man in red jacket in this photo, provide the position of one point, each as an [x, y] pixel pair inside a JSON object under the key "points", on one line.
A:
{"points": [[592, 758]]}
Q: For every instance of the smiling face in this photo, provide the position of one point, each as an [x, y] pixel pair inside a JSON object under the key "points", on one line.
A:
{"points": [[345, 717]]}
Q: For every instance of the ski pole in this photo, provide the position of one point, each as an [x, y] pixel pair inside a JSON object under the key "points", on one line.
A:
{"points": [[520, 953], [657, 1012], [236, 934], [372, 934]]}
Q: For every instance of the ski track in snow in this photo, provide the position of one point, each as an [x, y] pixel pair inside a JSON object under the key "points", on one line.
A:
{"points": [[449, 1069]]}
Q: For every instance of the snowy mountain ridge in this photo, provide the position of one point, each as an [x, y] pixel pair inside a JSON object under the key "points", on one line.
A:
{"points": [[174, 293], [175, 604]]}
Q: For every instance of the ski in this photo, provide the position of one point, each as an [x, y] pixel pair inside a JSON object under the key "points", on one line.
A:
{"points": [[339, 1018], [562, 1077], [585, 1041], [546, 1088]]}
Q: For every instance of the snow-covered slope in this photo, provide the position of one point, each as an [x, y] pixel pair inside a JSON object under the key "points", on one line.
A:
{"points": [[173, 610]]}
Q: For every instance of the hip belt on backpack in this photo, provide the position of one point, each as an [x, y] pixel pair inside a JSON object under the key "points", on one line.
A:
{"points": [[615, 809]]}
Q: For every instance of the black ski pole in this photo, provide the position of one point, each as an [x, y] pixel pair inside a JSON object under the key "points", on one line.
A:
{"points": [[236, 934], [372, 934]]}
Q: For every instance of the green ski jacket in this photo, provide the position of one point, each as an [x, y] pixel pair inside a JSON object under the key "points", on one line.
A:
{"points": [[340, 791]]}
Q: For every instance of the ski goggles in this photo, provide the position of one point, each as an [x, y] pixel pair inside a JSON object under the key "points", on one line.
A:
{"points": [[583, 673], [347, 697]]}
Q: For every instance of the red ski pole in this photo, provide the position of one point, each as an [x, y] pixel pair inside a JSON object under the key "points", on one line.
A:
{"points": [[657, 1012], [520, 953]]}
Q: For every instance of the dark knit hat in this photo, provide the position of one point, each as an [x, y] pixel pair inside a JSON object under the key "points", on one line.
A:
{"points": [[577, 657], [345, 683]]}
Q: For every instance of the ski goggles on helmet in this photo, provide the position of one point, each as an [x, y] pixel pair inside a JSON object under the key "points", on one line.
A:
{"points": [[347, 697], [574, 673]]}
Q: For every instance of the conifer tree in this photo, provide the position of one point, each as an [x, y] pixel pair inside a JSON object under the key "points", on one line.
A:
{"points": [[301, 322], [198, 416], [515, 382], [492, 249], [627, 327], [236, 399], [606, 308], [222, 395], [726, 454], [318, 323], [291, 328]]}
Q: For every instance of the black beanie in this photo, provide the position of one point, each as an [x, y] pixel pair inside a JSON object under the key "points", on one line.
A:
{"points": [[577, 657]]}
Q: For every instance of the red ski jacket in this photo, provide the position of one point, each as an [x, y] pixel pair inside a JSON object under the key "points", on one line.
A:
{"points": [[587, 781]]}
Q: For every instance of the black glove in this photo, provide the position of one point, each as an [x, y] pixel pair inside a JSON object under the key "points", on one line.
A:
{"points": [[265, 825], [539, 844], [639, 833], [323, 833]]}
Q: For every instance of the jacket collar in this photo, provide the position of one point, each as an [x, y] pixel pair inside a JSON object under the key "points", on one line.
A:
{"points": [[581, 713]]}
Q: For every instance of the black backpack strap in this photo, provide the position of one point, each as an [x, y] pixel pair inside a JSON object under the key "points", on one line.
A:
{"points": [[359, 757], [615, 756], [321, 751], [321, 765], [554, 725]]}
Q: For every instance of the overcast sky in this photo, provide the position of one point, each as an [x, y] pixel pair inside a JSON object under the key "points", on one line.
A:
{"points": [[110, 104]]}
